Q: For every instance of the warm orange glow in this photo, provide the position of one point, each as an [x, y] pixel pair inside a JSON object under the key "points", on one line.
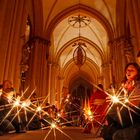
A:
{"points": [[115, 99], [17, 101], [38, 109], [87, 110]]}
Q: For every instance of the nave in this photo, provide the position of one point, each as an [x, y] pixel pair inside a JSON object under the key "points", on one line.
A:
{"points": [[66, 133]]}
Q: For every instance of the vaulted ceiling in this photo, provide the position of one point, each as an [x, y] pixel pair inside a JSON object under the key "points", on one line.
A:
{"points": [[63, 33]]}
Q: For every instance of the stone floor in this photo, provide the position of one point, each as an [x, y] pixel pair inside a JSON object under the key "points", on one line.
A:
{"points": [[67, 133]]}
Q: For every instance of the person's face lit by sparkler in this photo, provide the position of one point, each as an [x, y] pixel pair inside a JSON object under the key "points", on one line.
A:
{"points": [[131, 72], [7, 84]]}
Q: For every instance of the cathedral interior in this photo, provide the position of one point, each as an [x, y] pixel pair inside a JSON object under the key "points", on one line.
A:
{"points": [[56, 47], [55, 50]]}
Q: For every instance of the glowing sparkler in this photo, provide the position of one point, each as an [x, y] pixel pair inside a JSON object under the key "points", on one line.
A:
{"points": [[53, 125], [115, 99], [0, 92], [17, 101], [126, 100], [38, 109]]}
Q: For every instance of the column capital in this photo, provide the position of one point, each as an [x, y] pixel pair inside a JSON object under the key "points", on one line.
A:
{"points": [[61, 77], [106, 64], [120, 40]]}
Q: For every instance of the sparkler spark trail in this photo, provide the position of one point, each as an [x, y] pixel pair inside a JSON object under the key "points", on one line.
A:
{"points": [[29, 106], [118, 98], [48, 134], [38, 109], [114, 99]]}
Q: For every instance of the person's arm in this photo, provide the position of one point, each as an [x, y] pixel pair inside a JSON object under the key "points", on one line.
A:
{"points": [[135, 95]]}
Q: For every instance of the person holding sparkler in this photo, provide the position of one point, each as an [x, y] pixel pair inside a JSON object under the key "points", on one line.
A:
{"points": [[7, 100], [3, 123], [98, 104], [130, 113], [97, 108], [124, 116]]}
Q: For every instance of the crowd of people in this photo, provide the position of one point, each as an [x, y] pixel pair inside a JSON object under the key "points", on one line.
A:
{"points": [[118, 120], [18, 115]]}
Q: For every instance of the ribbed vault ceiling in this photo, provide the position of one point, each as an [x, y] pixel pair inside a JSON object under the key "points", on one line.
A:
{"points": [[95, 35]]}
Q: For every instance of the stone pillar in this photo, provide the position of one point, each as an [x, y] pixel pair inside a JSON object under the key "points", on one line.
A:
{"points": [[129, 51], [107, 75], [49, 82], [133, 14], [54, 90], [122, 53], [12, 21], [60, 93]]}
